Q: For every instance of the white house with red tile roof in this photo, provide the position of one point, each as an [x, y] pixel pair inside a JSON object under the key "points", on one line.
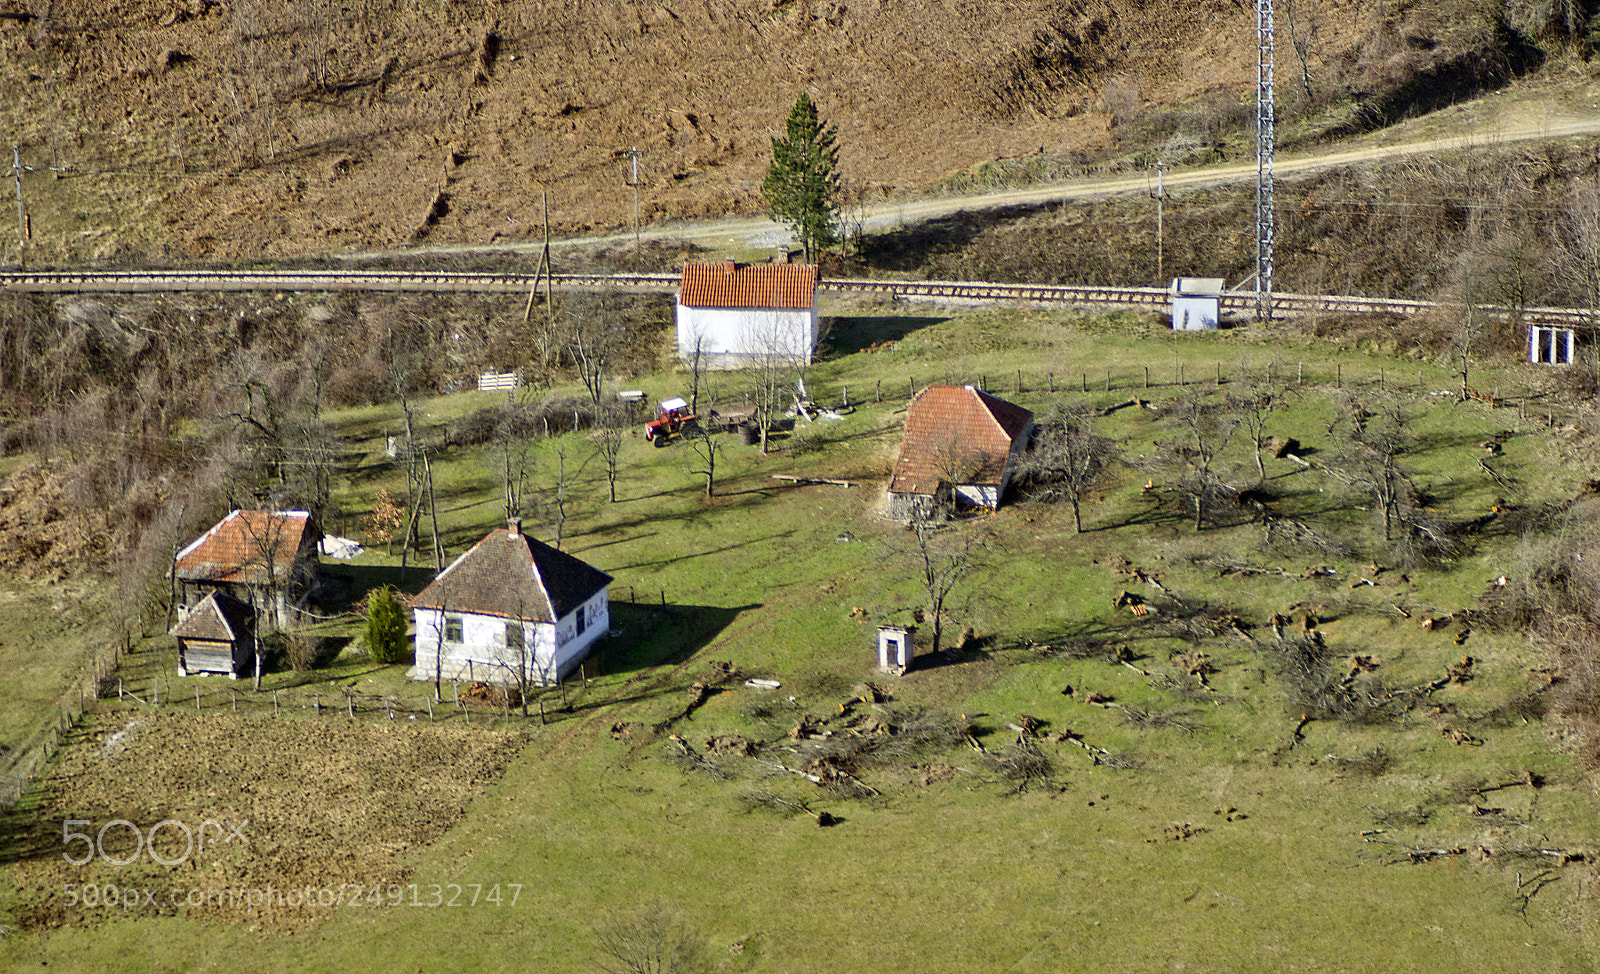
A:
{"points": [[267, 559], [743, 314], [961, 445], [510, 610]]}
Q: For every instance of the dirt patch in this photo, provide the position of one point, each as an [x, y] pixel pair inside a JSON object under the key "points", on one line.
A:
{"points": [[923, 775], [324, 804]]}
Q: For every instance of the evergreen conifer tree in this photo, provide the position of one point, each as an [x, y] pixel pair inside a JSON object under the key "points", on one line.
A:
{"points": [[803, 181]]}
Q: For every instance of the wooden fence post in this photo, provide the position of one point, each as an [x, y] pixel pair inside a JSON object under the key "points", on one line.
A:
{"points": [[1085, 382], [1052, 383], [1019, 381], [877, 394], [1338, 376], [1147, 377], [1108, 378]]}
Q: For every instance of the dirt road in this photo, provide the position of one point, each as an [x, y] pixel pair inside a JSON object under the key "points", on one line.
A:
{"points": [[760, 231]]}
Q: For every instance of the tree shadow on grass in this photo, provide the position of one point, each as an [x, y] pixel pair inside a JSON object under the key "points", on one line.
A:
{"points": [[854, 333], [651, 635]]}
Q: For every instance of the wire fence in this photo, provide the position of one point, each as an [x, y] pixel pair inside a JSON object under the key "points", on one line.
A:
{"points": [[98, 672]]}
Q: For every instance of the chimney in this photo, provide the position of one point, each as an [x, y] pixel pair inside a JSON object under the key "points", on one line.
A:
{"points": [[514, 527]]}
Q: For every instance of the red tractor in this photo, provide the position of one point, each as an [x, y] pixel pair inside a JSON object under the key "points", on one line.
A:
{"points": [[675, 418]]}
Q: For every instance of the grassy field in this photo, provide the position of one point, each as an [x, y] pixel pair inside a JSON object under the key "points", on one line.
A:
{"points": [[1225, 839]]}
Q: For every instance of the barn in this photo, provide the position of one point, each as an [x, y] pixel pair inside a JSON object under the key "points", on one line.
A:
{"points": [[961, 446], [263, 558], [218, 636], [510, 610], [737, 315]]}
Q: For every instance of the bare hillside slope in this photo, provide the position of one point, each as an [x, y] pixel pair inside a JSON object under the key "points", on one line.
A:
{"points": [[190, 128]]}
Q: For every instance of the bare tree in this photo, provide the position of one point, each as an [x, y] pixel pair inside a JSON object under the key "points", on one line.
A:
{"points": [[1372, 464], [708, 450], [608, 435], [943, 554], [1302, 26], [1577, 249], [1254, 399], [1067, 457], [696, 364], [650, 940], [592, 336], [1204, 430], [559, 489], [775, 361]]}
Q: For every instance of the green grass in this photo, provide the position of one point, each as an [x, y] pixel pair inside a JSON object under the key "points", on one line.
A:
{"points": [[964, 873]]}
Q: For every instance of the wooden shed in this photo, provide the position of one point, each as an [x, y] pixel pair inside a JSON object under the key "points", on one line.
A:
{"points": [[218, 636]]}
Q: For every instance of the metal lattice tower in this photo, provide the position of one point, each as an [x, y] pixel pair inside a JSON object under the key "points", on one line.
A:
{"points": [[1264, 152]]}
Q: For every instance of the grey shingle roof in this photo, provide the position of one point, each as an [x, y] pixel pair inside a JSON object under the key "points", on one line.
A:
{"points": [[512, 575]]}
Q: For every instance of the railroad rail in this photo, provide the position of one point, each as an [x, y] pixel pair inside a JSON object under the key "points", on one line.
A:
{"points": [[975, 292]]}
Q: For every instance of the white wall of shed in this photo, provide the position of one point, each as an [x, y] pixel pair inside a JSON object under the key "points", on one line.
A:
{"points": [[731, 337], [1195, 313]]}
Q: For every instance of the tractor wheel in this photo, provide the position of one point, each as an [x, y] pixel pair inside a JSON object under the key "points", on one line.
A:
{"points": [[691, 428], [658, 441]]}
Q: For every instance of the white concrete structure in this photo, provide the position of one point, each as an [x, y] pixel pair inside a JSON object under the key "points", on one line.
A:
{"points": [[1196, 303], [511, 610], [1552, 346], [735, 316], [896, 648]]}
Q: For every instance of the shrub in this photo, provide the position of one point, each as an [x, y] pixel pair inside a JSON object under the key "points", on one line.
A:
{"points": [[386, 627]]}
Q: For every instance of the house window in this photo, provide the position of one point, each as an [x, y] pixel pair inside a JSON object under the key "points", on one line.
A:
{"points": [[452, 629], [514, 637], [581, 621]]}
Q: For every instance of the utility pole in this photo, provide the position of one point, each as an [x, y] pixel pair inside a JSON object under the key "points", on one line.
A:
{"points": [[635, 184], [1264, 154], [24, 230], [1160, 196]]}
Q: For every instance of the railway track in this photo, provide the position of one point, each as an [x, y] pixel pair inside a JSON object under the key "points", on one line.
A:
{"points": [[975, 292]]}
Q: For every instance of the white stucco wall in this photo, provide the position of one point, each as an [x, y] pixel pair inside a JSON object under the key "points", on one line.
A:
{"points": [[1195, 313], [730, 337], [553, 650]]}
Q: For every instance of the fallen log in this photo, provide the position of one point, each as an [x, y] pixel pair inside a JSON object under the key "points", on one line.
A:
{"points": [[787, 478]]}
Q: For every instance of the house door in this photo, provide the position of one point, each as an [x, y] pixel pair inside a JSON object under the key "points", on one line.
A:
{"points": [[892, 652]]}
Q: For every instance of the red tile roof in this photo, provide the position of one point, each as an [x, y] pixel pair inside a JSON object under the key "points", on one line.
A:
{"points": [[511, 575], [729, 285], [956, 431], [242, 547]]}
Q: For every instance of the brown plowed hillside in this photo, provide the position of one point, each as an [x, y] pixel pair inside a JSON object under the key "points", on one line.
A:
{"points": [[190, 128]]}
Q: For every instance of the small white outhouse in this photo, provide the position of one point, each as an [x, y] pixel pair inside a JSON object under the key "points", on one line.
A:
{"points": [[1196, 303], [896, 648]]}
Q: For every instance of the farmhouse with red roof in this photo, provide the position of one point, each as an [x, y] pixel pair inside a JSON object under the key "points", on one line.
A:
{"points": [[961, 446], [736, 315], [265, 559]]}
